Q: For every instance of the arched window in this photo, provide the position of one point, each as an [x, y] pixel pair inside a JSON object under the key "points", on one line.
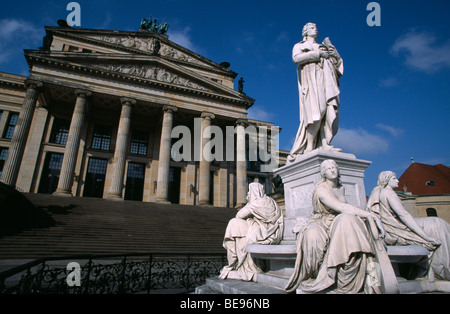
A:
{"points": [[431, 212]]}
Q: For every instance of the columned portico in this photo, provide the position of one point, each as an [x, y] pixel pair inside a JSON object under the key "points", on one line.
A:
{"points": [[162, 188], [241, 164], [205, 164], [120, 153], [20, 136], [73, 142]]}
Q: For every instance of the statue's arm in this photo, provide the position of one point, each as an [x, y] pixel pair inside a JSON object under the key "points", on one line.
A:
{"points": [[244, 213], [404, 216], [302, 56]]}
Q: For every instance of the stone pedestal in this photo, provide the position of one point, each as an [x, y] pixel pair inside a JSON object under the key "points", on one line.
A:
{"points": [[301, 176]]}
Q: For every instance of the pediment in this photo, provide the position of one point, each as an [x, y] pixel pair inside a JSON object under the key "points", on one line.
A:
{"points": [[147, 43]]}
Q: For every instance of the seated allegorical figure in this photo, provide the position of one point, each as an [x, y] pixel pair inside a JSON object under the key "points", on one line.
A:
{"points": [[260, 221], [402, 228], [335, 247]]}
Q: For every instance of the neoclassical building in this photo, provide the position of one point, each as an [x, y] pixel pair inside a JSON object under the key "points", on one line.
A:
{"points": [[96, 114]]}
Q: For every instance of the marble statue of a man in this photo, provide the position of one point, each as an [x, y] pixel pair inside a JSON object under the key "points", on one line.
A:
{"points": [[319, 69], [260, 221]]}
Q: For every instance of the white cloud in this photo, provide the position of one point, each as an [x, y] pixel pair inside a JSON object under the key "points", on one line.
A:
{"points": [[359, 141], [183, 38], [15, 35], [389, 82], [11, 29], [395, 132], [422, 51], [259, 114], [106, 22]]}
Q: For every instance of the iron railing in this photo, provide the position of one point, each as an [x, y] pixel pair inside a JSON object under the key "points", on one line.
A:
{"points": [[113, 274]]}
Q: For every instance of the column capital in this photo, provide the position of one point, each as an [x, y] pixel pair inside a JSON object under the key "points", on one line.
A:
{"points": [[208, 115], [83, 93], [34, 84], [242, 122], [170, 108], [127, 101]]}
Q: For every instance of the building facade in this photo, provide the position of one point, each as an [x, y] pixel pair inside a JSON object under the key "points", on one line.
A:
{"points": [[425, 190], [97, 114]]}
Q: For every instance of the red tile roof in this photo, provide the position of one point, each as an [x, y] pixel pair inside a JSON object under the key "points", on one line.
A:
{"points": [[422, 179]]}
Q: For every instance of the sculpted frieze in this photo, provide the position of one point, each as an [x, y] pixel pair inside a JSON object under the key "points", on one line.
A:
{"points": [[148, 45], [151, 73]]}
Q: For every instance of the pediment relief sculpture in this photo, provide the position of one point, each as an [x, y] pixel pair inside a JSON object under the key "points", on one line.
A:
{"points": [[148, 45], [152, 73]]}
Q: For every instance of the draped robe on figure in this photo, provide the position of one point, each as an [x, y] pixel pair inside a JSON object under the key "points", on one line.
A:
{"points": [[333, 252], [318, 92], [382, 202], [263, 226]]}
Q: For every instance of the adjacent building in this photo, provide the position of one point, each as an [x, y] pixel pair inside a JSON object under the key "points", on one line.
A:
{"points": [[425, 190]]}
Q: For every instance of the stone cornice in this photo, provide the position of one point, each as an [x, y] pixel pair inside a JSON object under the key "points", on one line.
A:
{"points": [[71, 67]]}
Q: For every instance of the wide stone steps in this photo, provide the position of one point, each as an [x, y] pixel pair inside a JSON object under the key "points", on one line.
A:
{"points": [[98, 226]]}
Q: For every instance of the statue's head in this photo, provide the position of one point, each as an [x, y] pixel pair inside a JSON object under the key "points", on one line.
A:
{"points": [[384, 177], [327, 165], [255, 191], [310, 30]]}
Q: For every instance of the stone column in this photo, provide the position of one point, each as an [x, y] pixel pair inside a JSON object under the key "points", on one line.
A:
{"points": [[20, 136], [73, 143], [120, 154], [241, 165], [162, 188], [205, 165]]}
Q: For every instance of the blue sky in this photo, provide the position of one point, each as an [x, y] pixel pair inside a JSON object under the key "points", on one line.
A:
{"points": [[395, 91]]}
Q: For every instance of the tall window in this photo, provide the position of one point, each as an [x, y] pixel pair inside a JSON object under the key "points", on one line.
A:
{"points": [[95, 177], [60, 131], [50, 173], [139, 143], [102, 137], [12, 121], [3, 154]]}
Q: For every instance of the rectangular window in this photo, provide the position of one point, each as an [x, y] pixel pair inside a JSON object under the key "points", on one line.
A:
{"points": [[3, 154], [95, 178], [60, 131], [12, 121], [134, 187], [101, 138], [139, 143]]}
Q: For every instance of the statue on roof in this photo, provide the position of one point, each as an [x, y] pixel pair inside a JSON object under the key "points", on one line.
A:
{"points": [[153, 26]]}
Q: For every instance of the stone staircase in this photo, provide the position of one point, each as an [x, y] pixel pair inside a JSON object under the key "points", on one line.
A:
{"points": [[99, 226]]}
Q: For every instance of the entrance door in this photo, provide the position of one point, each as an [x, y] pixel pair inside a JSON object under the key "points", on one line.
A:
{"points": [[174, 185], [50, 173], [135, 181], [95, 178]]}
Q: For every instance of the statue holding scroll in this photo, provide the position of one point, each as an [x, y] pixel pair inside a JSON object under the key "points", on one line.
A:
{"points": [[319, 69]]}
